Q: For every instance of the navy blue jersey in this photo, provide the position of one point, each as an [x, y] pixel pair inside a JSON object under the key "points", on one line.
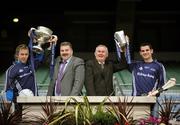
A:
{"points": [[20, 76], [146, 76]]}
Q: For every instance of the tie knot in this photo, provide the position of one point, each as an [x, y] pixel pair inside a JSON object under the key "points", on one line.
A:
{"points": [[64, 62], [102, 63]]}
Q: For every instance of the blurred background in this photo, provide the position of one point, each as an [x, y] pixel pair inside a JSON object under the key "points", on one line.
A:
{"points": [[89, 23]]}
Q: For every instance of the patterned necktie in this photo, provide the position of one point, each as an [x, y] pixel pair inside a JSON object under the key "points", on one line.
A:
{"points": [[60, 74]]}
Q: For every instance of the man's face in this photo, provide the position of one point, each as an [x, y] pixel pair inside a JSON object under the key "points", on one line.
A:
{"points": [[146, 52], [66, 52], [23, 55], [101, 53]]}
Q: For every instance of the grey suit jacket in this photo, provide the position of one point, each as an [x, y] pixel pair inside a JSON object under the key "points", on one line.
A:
{"points": [[72, 80]]}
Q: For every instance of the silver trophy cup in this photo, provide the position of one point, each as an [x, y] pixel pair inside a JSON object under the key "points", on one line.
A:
{"points": [[41, 36], [120, 38]]}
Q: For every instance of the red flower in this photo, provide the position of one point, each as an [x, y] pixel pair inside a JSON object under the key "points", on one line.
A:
{"points": [[116, 123], [126, 123]]}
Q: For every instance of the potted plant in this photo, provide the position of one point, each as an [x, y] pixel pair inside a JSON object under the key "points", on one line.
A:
{"points": [[167, 109], [53, 116], [87, 114], [11, 116], [122, 111], [104, 118], [166, 113]]}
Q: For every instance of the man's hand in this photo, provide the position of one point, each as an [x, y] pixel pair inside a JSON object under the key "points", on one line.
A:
{"points": [[53, 39], [151, 93], [170, 83]]}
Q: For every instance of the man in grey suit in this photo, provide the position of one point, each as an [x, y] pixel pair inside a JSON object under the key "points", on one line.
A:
{"points": [[71, 81]]}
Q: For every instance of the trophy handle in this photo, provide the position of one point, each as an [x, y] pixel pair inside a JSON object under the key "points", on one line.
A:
{"points": [[32, 35], [127, 40], [53, 41], [30, 31]]}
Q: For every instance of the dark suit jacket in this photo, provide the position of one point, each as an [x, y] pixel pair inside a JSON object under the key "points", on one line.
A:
{"points": [[72, 80], [98, 81]]}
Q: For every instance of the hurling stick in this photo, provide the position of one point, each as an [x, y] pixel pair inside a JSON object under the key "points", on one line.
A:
{"points": [[170, 83]]}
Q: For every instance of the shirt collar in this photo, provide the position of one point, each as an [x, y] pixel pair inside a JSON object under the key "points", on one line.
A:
{"points": [[101, 62], [67, 61]]}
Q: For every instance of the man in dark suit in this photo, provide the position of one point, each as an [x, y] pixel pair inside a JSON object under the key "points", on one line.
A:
{"points": [[71, 79], [99, 73]]}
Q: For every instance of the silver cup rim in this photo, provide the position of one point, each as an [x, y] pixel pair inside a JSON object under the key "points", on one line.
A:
{"points": [[44, 30]]}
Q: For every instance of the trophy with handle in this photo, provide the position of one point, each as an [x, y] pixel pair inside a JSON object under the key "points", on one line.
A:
{"points": [[122, 45], [120, 39], [40, 37]]}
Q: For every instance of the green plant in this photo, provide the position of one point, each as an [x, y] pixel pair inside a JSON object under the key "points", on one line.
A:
{"points": [[103, 118], [87, 114], [83, 111], [51, 116], [9, 116]]}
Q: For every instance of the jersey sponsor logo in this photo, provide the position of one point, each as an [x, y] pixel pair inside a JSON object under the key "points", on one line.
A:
{"points": [[145, 75], [152, 69]]}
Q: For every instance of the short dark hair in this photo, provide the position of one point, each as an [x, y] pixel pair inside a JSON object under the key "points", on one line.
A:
{"points": [[65, 43], [145, 44]]}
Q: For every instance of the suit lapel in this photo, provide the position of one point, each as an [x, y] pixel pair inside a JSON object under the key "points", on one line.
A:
{"points": [[58, 62]]}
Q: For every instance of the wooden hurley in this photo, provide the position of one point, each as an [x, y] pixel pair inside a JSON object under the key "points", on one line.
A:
{"points": [[170, 83]]}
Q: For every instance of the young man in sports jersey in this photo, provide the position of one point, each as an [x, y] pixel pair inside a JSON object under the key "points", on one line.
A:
{"points": [[148, 74], [20, 75]]}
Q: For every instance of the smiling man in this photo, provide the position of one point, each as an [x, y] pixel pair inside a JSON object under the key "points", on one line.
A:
{"points": [[99, 73], [148, 74], [20, 75], [69, 72]]}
